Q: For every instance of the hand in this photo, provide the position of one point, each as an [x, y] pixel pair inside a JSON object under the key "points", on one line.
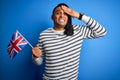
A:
{"points": [[36, 51], [72, 13]]}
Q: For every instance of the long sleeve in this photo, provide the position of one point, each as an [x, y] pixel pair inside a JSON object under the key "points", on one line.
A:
{"points": [[93, 29], [39, 60]]}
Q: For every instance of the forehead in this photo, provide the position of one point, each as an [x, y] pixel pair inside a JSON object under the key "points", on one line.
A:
{"points": [[58, 9]]}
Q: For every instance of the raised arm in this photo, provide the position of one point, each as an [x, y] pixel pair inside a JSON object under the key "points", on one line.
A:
{"points": [[92, 29]]}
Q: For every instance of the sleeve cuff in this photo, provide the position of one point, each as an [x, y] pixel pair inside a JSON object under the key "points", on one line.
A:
{"points": [[80, 16], [37, 61], [85, 18]]}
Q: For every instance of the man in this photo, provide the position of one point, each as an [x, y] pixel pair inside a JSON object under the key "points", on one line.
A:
{"points": [[61, 44]]}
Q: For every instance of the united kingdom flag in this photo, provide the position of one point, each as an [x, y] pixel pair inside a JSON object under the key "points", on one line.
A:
{"points": [[16, 44]]}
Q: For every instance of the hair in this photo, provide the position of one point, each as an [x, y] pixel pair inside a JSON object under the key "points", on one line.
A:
{"points": [[68, 28]]}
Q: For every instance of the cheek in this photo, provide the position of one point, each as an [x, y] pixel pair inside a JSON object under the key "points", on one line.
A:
{"points": [[54, 18]]}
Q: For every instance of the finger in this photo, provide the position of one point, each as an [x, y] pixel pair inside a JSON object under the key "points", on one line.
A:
{"points": [[64, 7], [70, 12], [36, 52], [37, 45], [67, 10]]}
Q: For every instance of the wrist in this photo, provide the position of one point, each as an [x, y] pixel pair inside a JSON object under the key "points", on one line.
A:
{"points": [[35, 56], [80, 16]]}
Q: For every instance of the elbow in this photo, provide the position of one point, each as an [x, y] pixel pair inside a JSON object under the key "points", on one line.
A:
{"points": [[100, 34], [104, 33]]}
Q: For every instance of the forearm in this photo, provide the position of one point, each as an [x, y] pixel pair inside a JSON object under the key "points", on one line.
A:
{"points": [[37, 55], [96, 29]]}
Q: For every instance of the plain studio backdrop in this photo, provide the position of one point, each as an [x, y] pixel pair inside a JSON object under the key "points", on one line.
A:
{"points": [[99, 58]]}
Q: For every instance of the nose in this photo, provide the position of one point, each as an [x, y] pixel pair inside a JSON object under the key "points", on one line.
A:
{"points": [[62, 14]]}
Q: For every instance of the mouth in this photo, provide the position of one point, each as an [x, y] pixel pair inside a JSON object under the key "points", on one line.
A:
{"points": [[61, 20]]}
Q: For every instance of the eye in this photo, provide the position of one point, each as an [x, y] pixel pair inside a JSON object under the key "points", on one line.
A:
{"points": [[57, 13]]}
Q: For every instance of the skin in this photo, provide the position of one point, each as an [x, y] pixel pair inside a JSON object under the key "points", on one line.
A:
{"points": [[60, 19]]}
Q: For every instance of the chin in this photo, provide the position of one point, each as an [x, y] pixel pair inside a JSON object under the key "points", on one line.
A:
{"points": [[61, 25]]}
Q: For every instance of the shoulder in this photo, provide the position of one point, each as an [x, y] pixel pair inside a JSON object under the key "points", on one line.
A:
{"points": [[47, 31]]}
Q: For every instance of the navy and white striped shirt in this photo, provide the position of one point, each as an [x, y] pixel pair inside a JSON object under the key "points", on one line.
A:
{"points": [[63, 52]]}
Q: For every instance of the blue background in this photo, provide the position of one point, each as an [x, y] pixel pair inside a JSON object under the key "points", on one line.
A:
{"points": [[100, 58]]}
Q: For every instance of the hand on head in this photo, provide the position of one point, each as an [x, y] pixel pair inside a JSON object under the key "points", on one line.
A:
{"points": [[70, 12]]}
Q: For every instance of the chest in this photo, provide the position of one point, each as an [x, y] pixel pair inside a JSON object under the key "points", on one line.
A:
{"points": [[58, 43]]}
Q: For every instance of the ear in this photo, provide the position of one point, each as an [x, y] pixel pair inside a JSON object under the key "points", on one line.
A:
{"points": [[52, 17]]}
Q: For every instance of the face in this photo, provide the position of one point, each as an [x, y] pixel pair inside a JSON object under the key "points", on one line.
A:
{"points": [[60, 18]]}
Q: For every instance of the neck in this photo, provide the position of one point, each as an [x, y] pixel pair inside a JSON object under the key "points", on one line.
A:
{"points": [[60, 28]]}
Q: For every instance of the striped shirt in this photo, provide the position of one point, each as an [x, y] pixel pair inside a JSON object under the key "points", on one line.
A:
{"points": [[63, 52]]}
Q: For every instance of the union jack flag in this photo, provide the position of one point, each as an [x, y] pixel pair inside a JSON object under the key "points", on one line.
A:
{"points": [[16, 44]]}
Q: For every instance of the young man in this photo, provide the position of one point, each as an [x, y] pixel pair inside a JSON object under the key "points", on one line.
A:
{"points": [[61, 44]]}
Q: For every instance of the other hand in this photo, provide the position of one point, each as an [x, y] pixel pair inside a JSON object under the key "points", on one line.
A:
{"points": [[36, 52]]}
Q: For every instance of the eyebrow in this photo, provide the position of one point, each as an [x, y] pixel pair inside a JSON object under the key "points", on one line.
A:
{"points": [[57, 10]]}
